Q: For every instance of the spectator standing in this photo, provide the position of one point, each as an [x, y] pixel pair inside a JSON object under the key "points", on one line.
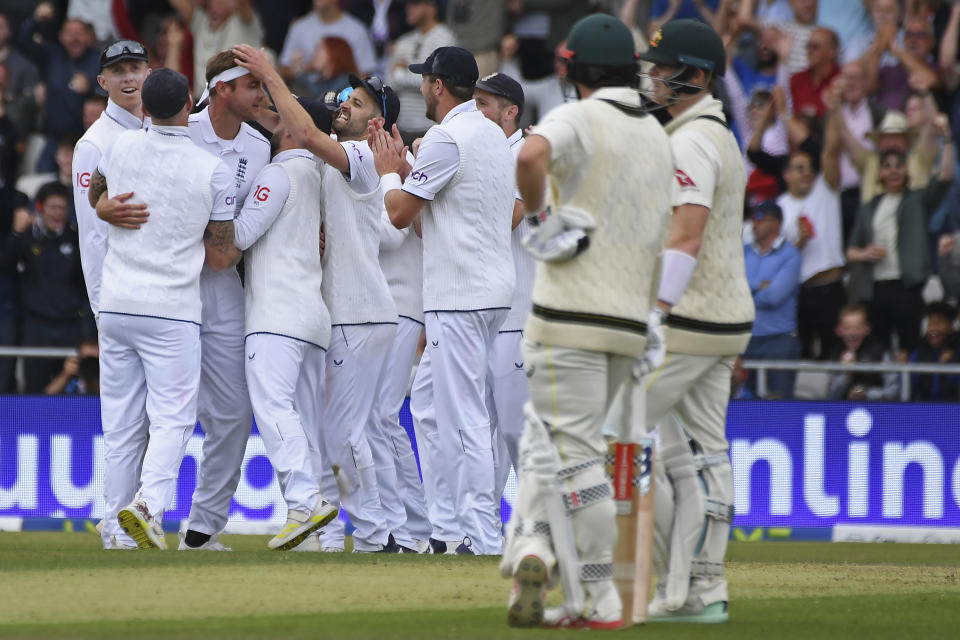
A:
{"points": [[20, 83], [807, 86], [223, 24], [796, 31], [889, 242], [70, 68], [811, 219], [938, 346], [762, 74], [428, 34], [478, 26], [773, 272], [13, 205], [851, 22], [46, 251], [910, 63], [97, 13], [853, 329], [387, 21], [326, 19]]}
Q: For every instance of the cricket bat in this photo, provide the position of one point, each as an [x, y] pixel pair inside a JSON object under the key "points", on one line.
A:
{"points": [[630, 467]]}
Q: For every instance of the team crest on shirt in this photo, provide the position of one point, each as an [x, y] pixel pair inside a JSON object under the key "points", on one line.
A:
{"points": [[241, 171], [66, 249], [685, 180]]}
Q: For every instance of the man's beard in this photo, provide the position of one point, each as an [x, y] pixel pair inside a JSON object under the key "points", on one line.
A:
{"points": [[431, 111], [768, 59]]}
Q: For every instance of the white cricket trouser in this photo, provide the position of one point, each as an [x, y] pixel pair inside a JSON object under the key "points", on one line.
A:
{"points": [[401, 491], [224, 403], [510, 393], [285, 377], [149, 369], [354, 362], [460, 344], [437, 474]]}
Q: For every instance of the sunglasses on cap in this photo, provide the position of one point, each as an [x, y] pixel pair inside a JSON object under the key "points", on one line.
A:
{"points": [[121, 47]]}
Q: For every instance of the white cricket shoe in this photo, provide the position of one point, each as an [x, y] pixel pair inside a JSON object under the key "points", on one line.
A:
{"points": [[692, 612], [606, 613], [213, 544], [116, 545], [310, 544], [526, 604], [331, 549], [140, 525], [300, 525]]}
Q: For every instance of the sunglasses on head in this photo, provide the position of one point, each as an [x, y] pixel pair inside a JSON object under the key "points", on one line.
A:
{"points": [[376, 84], [125, 46]]}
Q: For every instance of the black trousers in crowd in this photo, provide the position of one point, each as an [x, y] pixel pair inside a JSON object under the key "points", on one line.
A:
{"points": [[818, 308], [896, 309], [45, 332]]}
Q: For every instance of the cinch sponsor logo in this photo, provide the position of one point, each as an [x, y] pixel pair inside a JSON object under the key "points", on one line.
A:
{"points": [[419, 176], [854, 471], [230, 200]]}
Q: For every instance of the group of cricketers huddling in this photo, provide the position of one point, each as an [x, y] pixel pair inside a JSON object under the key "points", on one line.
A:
{"points": [[555, 276]]}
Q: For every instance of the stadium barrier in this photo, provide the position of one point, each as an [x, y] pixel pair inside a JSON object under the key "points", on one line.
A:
{"points": [[802, 470]]}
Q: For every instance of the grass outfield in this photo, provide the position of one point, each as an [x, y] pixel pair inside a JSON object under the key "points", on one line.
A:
{"points": [[60, 585]]}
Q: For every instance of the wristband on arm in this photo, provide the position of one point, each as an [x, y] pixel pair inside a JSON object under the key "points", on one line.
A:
{"points": [[678, 268]]}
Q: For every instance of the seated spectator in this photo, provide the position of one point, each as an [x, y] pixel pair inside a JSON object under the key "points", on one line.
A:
{"points": [[811, 219], [69, 67], [329, 70], [889, 245], [19, 84], [46, 253], [807, 86], [80, 374], [326, 20], [938, 346], [428, 33], [773, 272], [221, 25], [853, 328]]}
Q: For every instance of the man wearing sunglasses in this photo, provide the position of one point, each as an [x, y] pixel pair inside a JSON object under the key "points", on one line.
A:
{"points": [[362, 311], [123, 68]]}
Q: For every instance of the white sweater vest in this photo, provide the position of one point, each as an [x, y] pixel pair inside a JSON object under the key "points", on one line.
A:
{"points": [[284, 275], [155, 270], [403, 268], [354, 286], [715, 315], [467, 263], [600, 299]]}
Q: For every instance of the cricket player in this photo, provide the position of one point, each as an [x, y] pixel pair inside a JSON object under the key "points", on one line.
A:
{"points": [[150, 303], [704, 295], [401, 489], [224, 404], [462, 172], [500, 98], [288, 324], [362, 312], [596, 237], [123, 68]]}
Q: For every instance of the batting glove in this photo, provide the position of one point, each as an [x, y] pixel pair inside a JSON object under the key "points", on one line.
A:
{"points": [[655, 351], [551, 239]]}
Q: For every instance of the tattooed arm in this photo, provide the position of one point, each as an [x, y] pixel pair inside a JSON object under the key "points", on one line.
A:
{"points": [[98, 187], [218, 241]]}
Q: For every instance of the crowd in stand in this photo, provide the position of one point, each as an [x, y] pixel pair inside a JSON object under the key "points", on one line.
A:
{"points": [[846, 112]]}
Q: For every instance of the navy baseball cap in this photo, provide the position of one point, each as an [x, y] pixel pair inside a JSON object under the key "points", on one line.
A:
{"points": [[455, 64], [767, 208], [382, 93], [122, 50], [500, 84], [164, 93], [318, 111]]}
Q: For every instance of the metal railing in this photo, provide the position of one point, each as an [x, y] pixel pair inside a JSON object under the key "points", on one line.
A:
{"points": [[37, 352], [903, 369]]}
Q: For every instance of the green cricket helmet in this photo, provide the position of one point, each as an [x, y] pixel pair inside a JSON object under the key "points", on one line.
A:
{"points": [[687, 43], [600, 50]]}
